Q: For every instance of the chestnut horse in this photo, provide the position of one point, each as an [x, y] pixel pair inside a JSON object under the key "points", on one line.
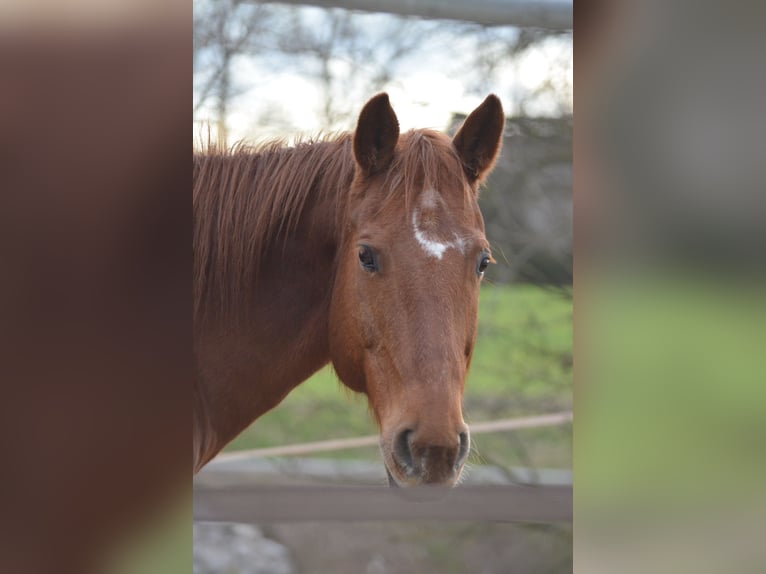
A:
{"points": [[363, 250]]}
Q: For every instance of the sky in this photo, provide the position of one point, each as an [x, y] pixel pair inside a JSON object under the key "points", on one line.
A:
{"points": [[281, 101]]}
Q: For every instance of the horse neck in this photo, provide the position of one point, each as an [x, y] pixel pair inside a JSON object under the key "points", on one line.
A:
{"points": [[246, 370]]}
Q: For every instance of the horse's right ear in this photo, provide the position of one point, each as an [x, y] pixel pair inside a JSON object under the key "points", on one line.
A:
{"points": [[376, 135]]}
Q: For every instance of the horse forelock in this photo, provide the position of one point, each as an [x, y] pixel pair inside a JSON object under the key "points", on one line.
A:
{"points": [[425, 162]]}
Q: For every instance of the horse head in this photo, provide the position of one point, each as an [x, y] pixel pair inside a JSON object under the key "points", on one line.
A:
{"points": [[403, 319]]}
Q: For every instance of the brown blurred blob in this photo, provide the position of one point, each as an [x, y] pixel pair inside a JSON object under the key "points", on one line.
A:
{"points": [[95, 307]]}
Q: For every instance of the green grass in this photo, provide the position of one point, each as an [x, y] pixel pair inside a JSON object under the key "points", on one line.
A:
{"points": [[522, 366], [676, 398]]}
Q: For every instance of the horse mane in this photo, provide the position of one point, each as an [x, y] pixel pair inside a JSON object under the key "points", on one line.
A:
{"points": [[247, 198]]}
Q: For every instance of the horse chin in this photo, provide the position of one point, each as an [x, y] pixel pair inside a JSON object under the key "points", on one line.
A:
{"points": [[418, 492]]}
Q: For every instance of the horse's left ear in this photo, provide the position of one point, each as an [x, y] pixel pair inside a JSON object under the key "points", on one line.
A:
{"points": [[479, 139], [376, 135]]}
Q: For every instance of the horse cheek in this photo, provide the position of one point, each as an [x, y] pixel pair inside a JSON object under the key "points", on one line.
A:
{"points": [[346, 351]]}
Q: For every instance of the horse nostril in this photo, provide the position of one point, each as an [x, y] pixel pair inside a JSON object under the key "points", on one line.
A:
{"points": [[465, 445], [402, 449]]}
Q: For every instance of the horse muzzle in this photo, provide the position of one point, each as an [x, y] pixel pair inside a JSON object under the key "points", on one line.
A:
{"points": [[414, 459]]}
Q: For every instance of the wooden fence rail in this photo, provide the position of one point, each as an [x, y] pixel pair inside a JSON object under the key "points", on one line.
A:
{"points": [[553, 419], [259, 504], [228, 491], [552, 14]]}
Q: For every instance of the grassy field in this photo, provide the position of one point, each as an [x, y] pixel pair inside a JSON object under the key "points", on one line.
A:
{"points": [[522, 366]]}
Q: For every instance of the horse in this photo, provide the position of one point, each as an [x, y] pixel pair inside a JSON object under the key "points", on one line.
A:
{"points": [[365, 250]]}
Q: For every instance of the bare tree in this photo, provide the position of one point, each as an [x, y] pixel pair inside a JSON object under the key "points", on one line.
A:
{"points": [[223, 31], [347, 54], [494, 50]]}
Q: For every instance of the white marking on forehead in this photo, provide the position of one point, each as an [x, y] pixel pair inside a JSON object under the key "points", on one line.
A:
{"points": [[433, 247]]}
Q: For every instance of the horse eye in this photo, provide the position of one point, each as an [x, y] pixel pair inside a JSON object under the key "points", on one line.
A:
{"points": [[483, 264], [367, 259]]}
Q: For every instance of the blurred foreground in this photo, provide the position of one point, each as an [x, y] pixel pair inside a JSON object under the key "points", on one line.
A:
{"points": [[669, 288]]}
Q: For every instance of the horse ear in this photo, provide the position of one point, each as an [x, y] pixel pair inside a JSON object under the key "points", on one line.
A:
{"points": [[479, 139], [376, 135]]}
